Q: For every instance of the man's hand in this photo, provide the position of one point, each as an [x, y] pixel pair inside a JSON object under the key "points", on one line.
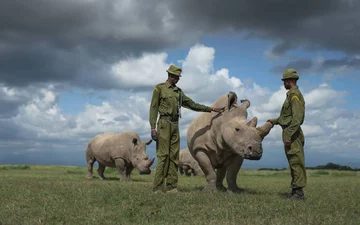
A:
{"points": [[154, 134], [218, 109], [287, 143]]}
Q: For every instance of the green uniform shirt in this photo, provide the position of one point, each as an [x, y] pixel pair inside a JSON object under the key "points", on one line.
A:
{"points": [[292, 112], [165, 101]]}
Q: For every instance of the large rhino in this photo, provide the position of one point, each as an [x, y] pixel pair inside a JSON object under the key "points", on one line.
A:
{"points": [[222, 141], [188, 165], [125, 151]]}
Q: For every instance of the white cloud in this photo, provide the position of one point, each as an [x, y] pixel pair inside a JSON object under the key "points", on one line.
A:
{"points": [[140, 72], [327, 127]]}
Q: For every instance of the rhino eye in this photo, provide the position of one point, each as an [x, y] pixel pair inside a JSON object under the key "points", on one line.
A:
{"points": [[237, 129]]}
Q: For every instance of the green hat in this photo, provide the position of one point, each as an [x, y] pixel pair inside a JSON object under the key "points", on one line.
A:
{"points": [[174, 70], [290, 74]]}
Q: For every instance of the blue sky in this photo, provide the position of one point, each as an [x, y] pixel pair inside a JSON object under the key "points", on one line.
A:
{"points": [[60, 87]]}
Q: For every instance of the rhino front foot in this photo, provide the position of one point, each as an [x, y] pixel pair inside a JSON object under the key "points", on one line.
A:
{"points": [[236, 190], [89, 176]]}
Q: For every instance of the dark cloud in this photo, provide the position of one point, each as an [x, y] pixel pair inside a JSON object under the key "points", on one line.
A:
{"points": [[310, 66], [327, 24], [299, 65], [73, 42]]}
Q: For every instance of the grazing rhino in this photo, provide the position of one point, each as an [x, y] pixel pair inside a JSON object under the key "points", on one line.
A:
{"points": [[188, 165], [222, 141], [125, 151]]}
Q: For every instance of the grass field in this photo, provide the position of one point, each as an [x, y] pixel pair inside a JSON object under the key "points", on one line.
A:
{"points": [[62, 195]]}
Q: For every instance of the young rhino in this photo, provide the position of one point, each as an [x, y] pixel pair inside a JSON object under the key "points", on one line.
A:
{"points": [[222, 141], [125, 151], [188, 165]]}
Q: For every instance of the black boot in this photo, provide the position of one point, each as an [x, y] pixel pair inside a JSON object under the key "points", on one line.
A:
{"points": [[298, 194]]}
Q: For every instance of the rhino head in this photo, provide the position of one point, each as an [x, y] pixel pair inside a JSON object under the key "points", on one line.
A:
{"points": [[240, 135], [139, 158]]}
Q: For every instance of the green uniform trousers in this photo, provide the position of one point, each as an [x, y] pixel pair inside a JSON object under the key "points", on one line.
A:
{"points": [[167, 152], [296, 158]]}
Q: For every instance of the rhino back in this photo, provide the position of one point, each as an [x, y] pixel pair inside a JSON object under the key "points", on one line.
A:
{"points": [[118, 146]]}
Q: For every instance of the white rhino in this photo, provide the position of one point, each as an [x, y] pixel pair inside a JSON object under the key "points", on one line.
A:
{"points": [[222, 141], [188, 165], [125, 151]]}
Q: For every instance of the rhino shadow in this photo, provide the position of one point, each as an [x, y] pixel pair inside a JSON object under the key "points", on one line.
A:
{"points": [[112, 179]]}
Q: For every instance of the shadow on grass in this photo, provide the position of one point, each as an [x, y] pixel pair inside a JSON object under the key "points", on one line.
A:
{"points": [[112, 179], [245, 191]]}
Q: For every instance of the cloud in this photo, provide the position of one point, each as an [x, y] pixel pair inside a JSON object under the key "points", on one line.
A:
{"points": [[40, 125], [76, 42], [291, 23], [320, 66]]}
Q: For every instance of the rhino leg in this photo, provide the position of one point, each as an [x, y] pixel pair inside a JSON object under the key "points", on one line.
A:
{"points": [[128, 172], [100, 171], [208, 169], [181, 170], [220, 175], [121, 168], [232, 172], [90, 164]]}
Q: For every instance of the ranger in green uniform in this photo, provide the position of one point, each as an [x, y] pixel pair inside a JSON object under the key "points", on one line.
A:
{"points": [[167, 100], [291, 117]]}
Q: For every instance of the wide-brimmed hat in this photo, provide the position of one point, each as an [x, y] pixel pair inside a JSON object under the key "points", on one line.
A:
{"points": [[290, 74], [174, 70]]}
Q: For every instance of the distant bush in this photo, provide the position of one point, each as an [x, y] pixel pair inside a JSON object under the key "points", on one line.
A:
{"points": [[333, 166], [272, 169], [329, 166], [15, 167]]}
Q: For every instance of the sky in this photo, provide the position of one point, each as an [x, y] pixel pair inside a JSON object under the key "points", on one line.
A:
{"points": [[72, 69]]}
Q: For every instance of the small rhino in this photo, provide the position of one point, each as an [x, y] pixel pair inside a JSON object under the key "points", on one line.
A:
{"points": [[188, 165], [222, 141], [124, 151]]}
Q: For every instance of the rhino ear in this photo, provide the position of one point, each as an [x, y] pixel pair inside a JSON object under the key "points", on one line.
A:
{"points": [[232, 99], [252, 122], [135, 141], [148, 142]]}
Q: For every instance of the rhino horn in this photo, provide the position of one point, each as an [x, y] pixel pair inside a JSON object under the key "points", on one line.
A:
{"points": [[265, 129], [245, 103], [150, 162], [232, 99], [252, 122], [148, 142]]}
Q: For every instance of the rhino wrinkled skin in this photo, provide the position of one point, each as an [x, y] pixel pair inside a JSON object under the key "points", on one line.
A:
{"points": [[221, 141], [188, 165], [124, 151]]}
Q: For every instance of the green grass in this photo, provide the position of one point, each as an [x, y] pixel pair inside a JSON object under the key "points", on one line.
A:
{"points": [[62, 195]]}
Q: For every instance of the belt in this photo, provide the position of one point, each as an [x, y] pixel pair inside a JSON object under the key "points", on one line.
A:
{"points": [[171, 118]]}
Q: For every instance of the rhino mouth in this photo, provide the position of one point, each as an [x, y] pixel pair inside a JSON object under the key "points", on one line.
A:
{"points": [[252, 157], [147, 171]]}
